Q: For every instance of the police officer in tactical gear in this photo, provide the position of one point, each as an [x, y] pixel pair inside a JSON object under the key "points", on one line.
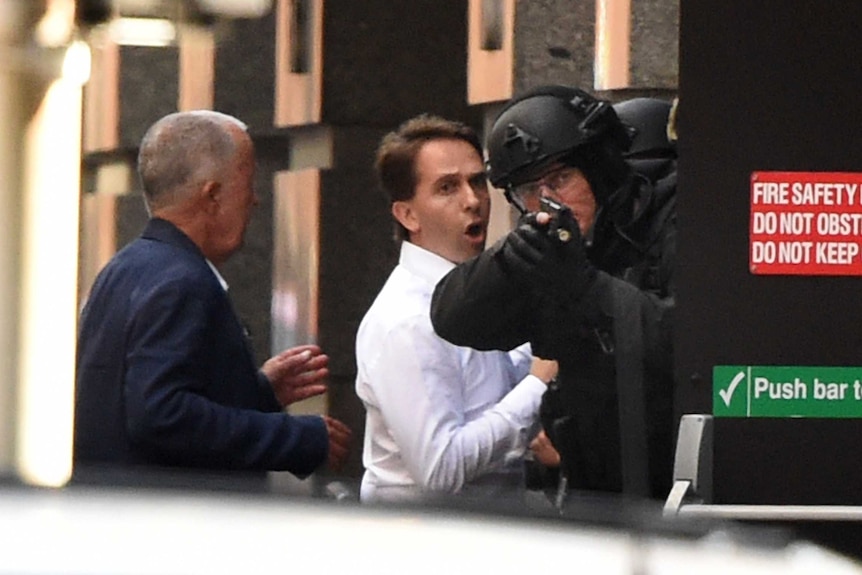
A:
{"points": [[586, 277], [652, 152]]}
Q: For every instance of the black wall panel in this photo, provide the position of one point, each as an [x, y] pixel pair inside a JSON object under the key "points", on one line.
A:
{"points": [[766, 85]]}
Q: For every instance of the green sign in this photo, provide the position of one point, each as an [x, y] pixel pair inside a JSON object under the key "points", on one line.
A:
{"points": [[776, 391]]}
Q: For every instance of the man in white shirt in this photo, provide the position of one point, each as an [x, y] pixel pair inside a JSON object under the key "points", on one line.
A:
{"points": [[440, 419]]}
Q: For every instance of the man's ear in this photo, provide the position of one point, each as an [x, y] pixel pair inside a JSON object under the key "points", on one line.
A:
{"points": [[403, 212], [209, 196]]}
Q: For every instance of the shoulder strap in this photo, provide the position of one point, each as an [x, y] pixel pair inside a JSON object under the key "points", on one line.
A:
{"points": [[629, 358], [631, 395]]}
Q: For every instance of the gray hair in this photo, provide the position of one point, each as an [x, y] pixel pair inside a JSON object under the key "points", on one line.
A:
{"points": [[182, 150]]}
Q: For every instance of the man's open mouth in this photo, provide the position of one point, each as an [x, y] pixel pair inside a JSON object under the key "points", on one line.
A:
{"points": [[475, 230]]}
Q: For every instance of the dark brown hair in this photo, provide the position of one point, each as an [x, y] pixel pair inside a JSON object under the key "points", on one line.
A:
{"points": [[395, 161]]}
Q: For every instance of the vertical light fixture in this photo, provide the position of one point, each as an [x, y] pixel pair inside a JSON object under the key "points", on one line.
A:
{"points": [[613, 44], [48, 259], [298, 62], [49, 287], [197, 69], [490, 50]]}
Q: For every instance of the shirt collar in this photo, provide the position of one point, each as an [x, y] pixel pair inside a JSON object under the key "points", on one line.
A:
{"points": [[218, 276], [423, 263]]}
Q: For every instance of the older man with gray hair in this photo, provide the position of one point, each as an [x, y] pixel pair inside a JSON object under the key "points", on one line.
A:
{"points": [[165, 376]]}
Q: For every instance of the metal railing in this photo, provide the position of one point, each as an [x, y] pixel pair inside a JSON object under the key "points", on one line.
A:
{"points": [[691, 494]]}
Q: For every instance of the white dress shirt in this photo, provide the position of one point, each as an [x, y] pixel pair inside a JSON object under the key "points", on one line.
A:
{"points": [[440, 418]]}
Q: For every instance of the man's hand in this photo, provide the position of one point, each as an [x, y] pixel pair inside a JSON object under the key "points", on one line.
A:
{"points": [[339, 442], [543, 450], [297, 373], [534, 254], [544, 369]]}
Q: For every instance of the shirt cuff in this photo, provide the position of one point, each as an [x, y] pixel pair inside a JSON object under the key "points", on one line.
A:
{"points": [[522, 403]]}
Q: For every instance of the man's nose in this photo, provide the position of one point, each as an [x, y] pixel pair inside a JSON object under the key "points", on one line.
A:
{"points": [[471, 197]]}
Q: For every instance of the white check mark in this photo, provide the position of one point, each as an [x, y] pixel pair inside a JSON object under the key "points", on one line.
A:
{"points": [[727, 394]]}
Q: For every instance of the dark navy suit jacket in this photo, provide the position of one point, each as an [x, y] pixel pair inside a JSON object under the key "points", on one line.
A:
{"points": [[165, 375]]}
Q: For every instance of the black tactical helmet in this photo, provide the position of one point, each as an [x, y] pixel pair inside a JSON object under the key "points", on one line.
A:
{"points": [[549, 124], [652, 153], [646, 120]]}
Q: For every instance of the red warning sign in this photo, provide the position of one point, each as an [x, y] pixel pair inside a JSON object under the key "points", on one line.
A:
{"points": [[806, 223]]}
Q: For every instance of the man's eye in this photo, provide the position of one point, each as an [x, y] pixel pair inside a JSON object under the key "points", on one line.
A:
{"points": [[531, 189], [479, 181]]}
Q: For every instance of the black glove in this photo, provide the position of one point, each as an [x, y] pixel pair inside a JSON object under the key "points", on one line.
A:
{"points": [[550, 258]]}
